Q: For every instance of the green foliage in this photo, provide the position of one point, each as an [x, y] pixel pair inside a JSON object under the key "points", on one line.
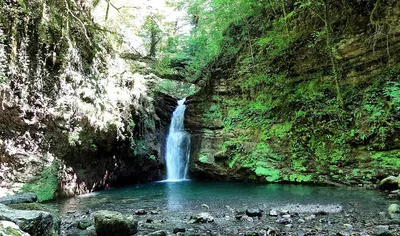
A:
{"points": [[44, 186], [299, 178], [212, 114], [203, 158], [270, 174], [387, 160], [176, 88]]}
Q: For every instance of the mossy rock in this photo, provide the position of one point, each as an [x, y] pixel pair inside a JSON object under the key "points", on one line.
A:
{"points": [[112, 223], [8, 228], [394, 211], [84, 224], [389, 183]]}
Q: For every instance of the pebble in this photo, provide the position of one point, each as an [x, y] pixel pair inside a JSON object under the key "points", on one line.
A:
{"points": [[273, 213], [140, 212], [284, 221], [311, 217], [382, 227], [301, 221], [179, 229], [250, 219], [348, 226], [159, 233], [286, 216], [253, 212]]}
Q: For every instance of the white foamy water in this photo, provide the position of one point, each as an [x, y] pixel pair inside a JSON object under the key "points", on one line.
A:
{"points": [[178, 145]]}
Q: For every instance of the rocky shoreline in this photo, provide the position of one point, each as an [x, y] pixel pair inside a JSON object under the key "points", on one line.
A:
{"points": [[230, 221]]}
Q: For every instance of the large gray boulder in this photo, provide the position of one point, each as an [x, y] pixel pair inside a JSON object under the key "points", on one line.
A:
{"points": [[113, 223], [8, 228], [19, 198], [36, 223]]}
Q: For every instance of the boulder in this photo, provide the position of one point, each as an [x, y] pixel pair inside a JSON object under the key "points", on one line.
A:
{"points": [[389, 183], [394, 211], [112, 223], [19, 198], [202, 217], [36, 223], [8, 228], [35, 206]]}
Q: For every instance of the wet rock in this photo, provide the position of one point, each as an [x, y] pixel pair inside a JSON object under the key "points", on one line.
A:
{"points": [[159, 233], [112, 223], [252, 234], [154, 212], [84, 224], [140, 212], [273, 213], [389, 183], [238, 217], [254, 212], [149, 221], [250, 219], [381, 229], [301, 221], [203, 217], [300, 233], [36, 223], [309, 218], [343, 234], [348, 226], [282, 220], [90, 231], [19, 198], [179, 229], [272, 231]]}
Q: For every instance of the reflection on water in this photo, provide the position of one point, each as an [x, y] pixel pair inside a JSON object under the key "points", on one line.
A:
{"points": [[178, 196], [175, 196]]}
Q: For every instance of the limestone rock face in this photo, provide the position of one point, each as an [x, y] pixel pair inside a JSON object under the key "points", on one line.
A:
{"points": [[36, 223], [254, 124], [112, 223]]}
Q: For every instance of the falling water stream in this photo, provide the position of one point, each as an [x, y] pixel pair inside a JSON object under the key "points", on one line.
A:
{"points": [[178, 145]]}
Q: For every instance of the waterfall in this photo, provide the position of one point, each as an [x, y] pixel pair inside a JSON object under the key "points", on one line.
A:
{"points": [[178, 145]]}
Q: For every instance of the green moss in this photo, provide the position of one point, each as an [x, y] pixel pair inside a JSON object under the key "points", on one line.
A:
{"points": [[44, 186], [11, 231]]}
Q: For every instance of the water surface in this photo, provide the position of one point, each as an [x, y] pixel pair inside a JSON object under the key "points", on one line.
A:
{"points": [[191, 195]]}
